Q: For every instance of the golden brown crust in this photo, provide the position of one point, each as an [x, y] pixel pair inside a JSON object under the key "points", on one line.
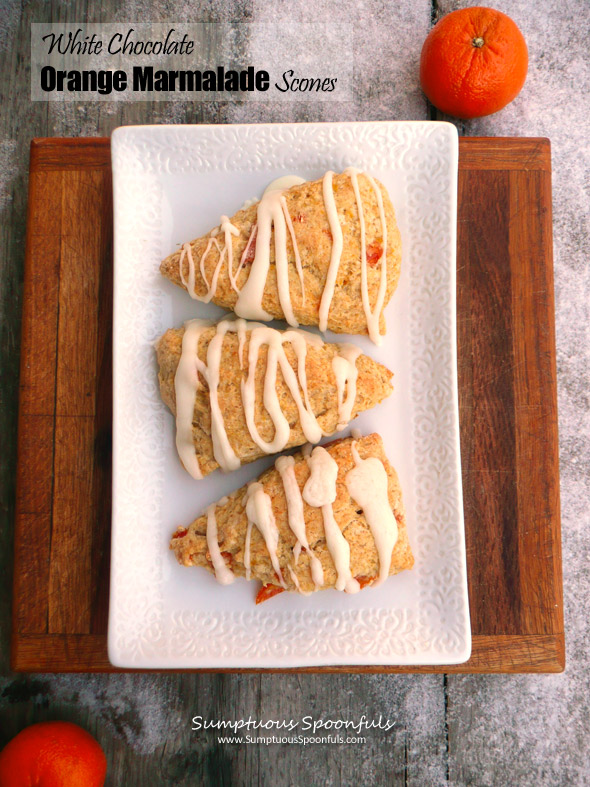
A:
{"points": [[314, 241], [190, 545], [373, 385]]}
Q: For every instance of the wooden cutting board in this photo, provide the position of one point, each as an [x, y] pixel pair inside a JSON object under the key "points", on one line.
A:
{"points": [[507, 399]]}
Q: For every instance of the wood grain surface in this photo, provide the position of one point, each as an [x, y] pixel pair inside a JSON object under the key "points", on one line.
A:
{"points": [[507, 400]]}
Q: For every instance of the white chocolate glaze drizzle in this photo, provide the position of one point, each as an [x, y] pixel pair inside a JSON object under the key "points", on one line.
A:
{"points": [[247, 561], [285, 466], [276, 357], [283, 183], [244, 257], [259, 513], [186, 384], [223, 574], [371, 315], [367, 484], [273, 214], [320, 492], [344, 366], [295, 581], [336, 254], [228, 230], [222, 450]]}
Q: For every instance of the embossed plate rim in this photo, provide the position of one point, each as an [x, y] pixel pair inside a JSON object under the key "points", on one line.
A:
{"points": [[423, 619]]}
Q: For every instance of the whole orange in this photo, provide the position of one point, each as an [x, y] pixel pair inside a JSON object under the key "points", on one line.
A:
{"points": [[473, 62], [52, 754]]}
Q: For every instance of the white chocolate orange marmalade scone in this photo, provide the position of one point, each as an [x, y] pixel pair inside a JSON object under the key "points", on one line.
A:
{"points": [[240, 390], [327, 517], [325, 253]]}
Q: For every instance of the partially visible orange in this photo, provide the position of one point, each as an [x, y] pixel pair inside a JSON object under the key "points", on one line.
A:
{"points": [[52, 754], [473, 62]]}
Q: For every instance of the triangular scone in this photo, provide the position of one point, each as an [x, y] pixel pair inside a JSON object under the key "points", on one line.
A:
{"points": [[259, 390], [312, 254], [345, 527]]}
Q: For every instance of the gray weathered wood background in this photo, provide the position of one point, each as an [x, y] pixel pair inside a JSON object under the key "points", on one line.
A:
{"points": [[483, 730]]}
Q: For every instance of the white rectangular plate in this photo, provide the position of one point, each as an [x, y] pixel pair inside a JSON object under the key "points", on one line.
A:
{"points": [[171, 184]]}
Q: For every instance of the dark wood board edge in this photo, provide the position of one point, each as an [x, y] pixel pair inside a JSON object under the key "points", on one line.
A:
{"points": [[22, 521], [490, 654], [505, 153], [535, 385], [64, 153], [550, 283]]}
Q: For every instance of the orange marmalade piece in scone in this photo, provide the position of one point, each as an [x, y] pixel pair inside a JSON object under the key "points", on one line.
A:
{"points": [[241, 390], [327, 517], [326, 253]]}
